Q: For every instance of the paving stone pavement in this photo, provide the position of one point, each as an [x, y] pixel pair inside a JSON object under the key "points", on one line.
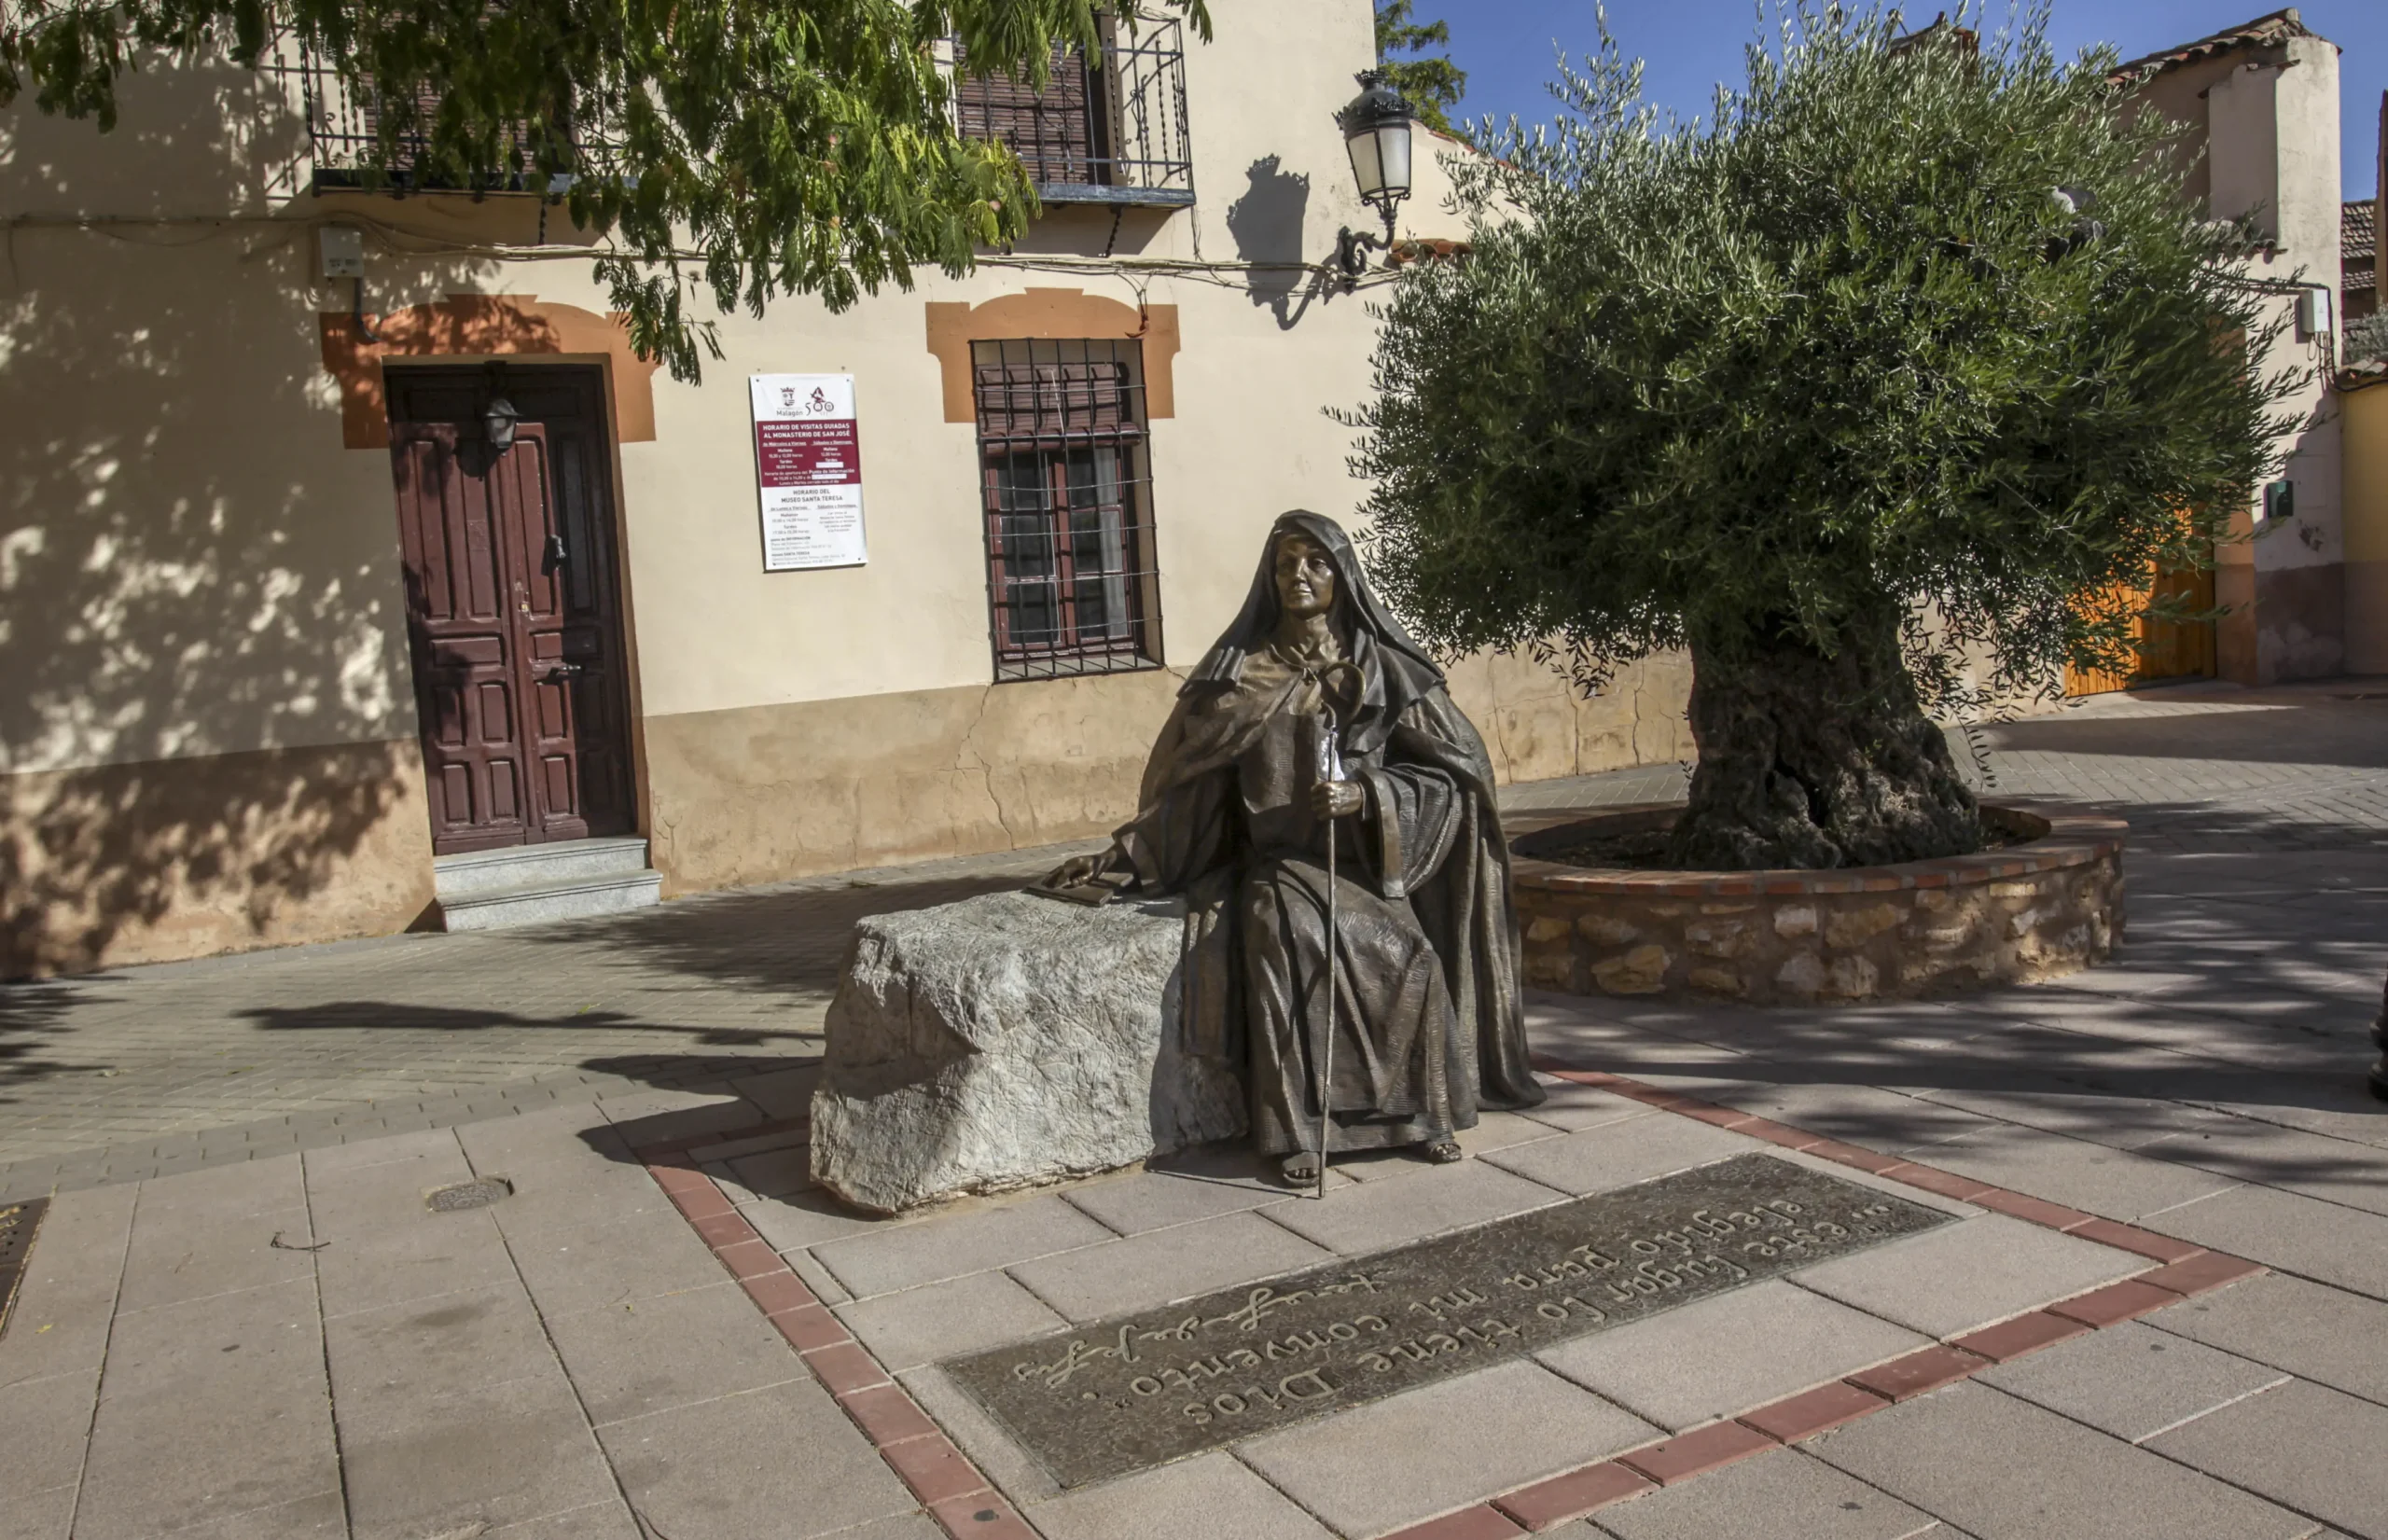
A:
{"points": [[575, 1361], [148, 1071]]}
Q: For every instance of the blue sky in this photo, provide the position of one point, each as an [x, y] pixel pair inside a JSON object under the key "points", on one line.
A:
{"points": [[1506, 47]]}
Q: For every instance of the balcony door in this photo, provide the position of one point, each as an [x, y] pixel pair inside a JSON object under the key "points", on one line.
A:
{"points": [[513, 619]]}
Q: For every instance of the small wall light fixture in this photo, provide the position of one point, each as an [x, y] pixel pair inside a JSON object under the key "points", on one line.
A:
{"points": [[499, 416], [2074, 205], [1376, 132]]}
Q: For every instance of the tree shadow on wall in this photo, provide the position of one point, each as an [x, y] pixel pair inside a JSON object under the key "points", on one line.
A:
{"points": [[207, 715], [1267, 224], [90, 855]]}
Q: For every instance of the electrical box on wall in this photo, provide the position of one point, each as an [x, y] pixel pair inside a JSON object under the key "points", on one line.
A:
{"points": [[342, 247], [2280, 500], [2313, 318]]}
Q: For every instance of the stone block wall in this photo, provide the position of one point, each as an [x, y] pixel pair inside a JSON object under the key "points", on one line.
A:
{"points": [[2048, 904]]}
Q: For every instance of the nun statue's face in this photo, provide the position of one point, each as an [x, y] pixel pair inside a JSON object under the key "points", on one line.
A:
{"points": [[1305, 577]]}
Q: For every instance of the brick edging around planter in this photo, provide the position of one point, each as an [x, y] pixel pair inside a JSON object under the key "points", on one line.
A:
{"points": [[2047, 906], [2057, 837]]}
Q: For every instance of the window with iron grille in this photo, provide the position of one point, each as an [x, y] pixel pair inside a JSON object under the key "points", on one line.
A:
{"points": [[1066, 488], [1107, 128]]}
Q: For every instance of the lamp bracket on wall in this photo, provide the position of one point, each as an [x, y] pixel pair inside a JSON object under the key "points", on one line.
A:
{"points": [[1352, 249]]}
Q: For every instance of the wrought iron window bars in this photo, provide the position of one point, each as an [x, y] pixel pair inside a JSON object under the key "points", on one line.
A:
{"points": [[1066, 492]]}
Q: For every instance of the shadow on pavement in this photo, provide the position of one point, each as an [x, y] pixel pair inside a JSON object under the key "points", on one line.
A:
{"points": [[792, 938], [31, 1014], [2282, 727]]}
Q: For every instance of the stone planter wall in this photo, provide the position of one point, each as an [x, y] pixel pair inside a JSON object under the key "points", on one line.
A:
{"points": [[2049, 905]]}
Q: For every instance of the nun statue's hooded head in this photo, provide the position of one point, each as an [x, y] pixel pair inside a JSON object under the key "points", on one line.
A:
{"points": [[1428, 1024]]}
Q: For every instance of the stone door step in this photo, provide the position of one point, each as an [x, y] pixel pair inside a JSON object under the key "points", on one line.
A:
{"points": [[527, 885]]}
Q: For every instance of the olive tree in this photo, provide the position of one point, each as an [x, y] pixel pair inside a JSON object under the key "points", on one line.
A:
{"points": [[1900, 359]]}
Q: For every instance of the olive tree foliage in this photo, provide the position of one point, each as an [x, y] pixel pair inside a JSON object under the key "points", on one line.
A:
{"points": [[754, 148], [2368, 339], [1831, 388]]}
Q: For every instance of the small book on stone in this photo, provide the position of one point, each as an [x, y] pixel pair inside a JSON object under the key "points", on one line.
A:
{"points": [[1095, 890]]}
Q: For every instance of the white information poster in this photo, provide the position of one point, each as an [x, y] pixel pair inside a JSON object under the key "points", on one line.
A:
{"points": [[807, 460]]}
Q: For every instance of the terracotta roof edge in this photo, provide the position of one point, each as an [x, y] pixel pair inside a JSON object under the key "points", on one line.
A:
{"points": [[2269, 28]]}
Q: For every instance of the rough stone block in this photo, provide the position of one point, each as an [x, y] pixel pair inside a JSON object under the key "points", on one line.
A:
{"points": [[1794, 920], [1802, 976], [1640, 971], [1709, 939], [1854, 979], [1007, 1040], [1550, 968], [1855, 927], [1606, 930], [1718, 981]]}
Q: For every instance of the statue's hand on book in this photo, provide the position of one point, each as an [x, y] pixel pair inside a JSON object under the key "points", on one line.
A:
{"points": [[1092, 879]]}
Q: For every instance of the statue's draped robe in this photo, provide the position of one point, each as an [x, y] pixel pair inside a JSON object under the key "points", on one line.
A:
{"points": [[1428, 1023]]}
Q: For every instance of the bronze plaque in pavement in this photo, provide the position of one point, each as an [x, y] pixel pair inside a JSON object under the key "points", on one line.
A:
{"points": [[18, 1222], [1140, 1390]]}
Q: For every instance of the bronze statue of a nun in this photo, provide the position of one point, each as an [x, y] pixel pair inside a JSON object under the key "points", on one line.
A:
{"points": [[1235, 812]]}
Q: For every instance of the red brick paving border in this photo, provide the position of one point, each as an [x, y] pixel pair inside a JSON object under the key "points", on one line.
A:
{"points": [[1906, 1377], [2188, 1270], [2202, 1273], [1679, 1459], [2127, 1238], [945, 1481], [1948, 1184], [1480, 1522], [1548, 1504], [2024, 1334], [2037, 1211], [1819, 1411], [2115, 1303], [955, 1492]]}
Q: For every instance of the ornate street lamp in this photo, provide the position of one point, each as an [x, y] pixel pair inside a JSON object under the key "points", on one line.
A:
{"points": [[1376, 132]]}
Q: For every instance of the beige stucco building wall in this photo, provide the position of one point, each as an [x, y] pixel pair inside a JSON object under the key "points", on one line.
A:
{"points": [[2365, 407], [2264, 145], [207, 722]]}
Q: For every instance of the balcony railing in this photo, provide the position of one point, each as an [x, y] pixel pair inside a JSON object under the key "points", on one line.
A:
{"points": [[343, 135], [1109, 129]]}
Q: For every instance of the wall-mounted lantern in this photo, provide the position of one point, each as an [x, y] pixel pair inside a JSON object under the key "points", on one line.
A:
{"points": [[499, 416], [1376, 132]]}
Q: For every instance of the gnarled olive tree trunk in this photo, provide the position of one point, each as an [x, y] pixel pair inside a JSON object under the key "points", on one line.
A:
{"points": [[1815, 760]]}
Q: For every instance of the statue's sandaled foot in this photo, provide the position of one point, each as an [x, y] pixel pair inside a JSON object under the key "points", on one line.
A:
{"points": [[1444, 1151], [1301, 1168]]}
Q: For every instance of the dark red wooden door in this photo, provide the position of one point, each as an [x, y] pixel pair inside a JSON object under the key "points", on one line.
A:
{"points": [[512, 615]]}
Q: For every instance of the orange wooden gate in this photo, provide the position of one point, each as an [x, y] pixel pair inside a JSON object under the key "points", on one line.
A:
{"points": [[2167, 649]]}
